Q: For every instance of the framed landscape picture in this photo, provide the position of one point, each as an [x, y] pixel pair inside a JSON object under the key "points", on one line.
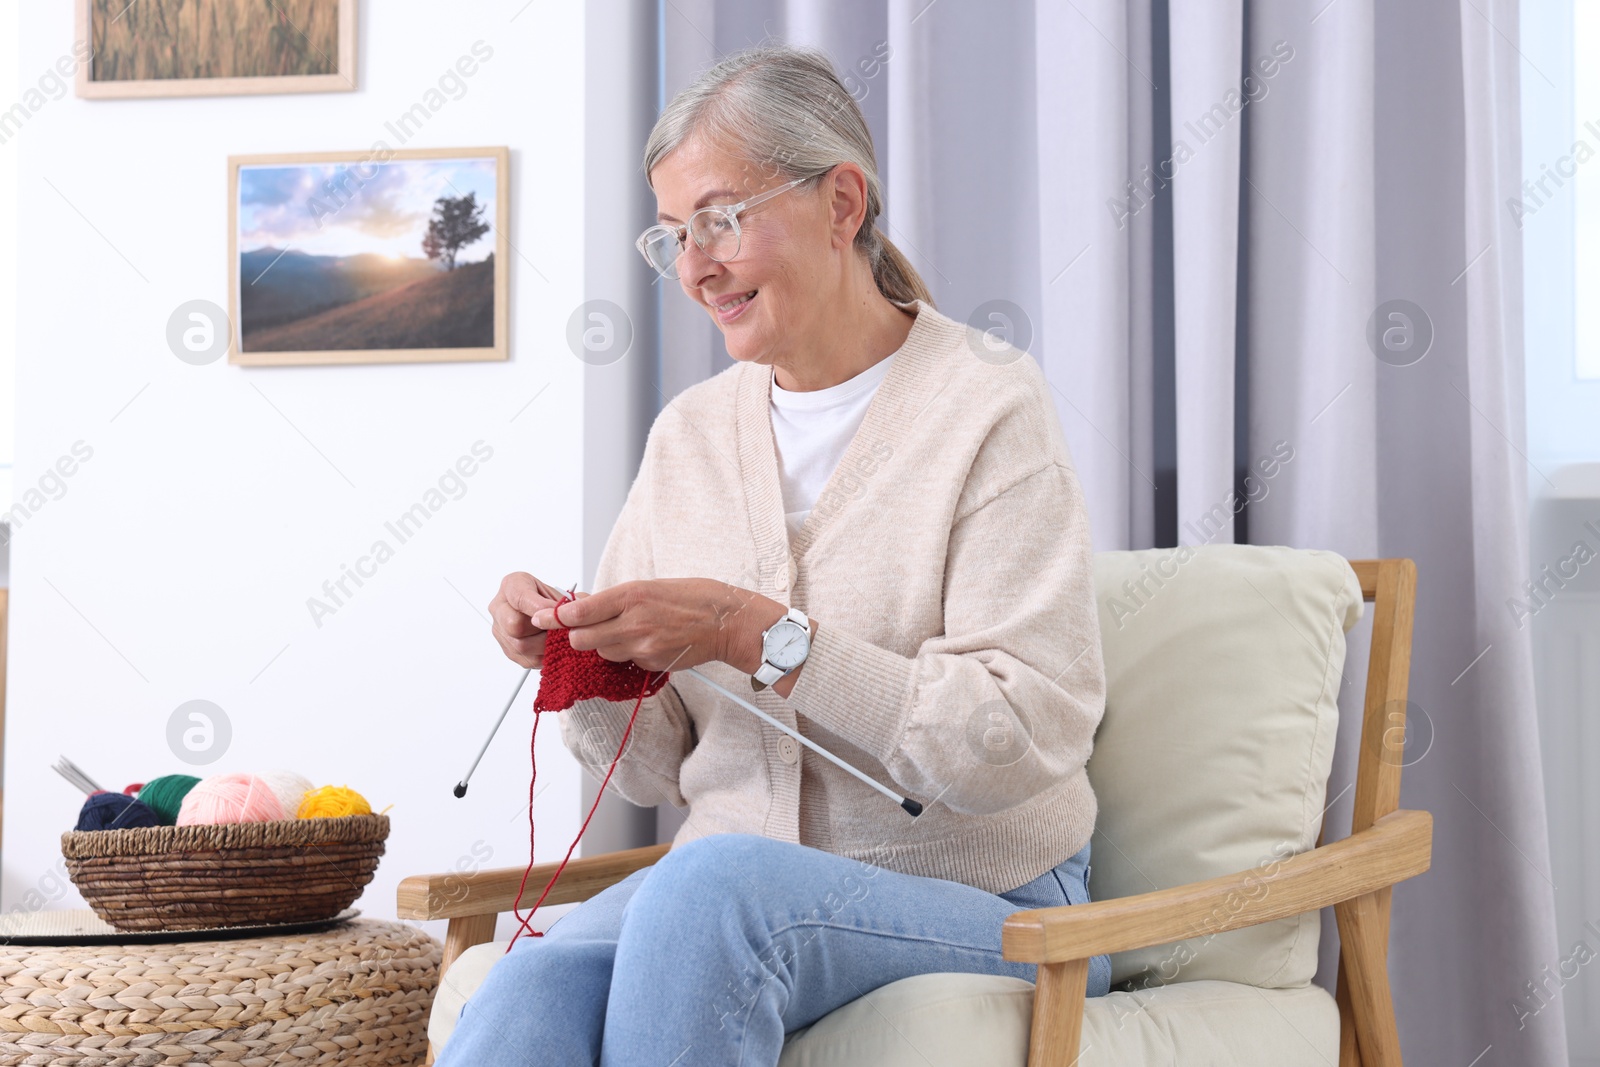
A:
{"points": [[216, 47], [382, 256]]}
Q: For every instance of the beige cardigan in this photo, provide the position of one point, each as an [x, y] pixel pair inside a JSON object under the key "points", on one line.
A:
{"points": [[947, 563]]}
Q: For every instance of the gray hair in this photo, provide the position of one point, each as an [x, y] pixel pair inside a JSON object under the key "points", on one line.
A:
{"points": [[785, 111]]}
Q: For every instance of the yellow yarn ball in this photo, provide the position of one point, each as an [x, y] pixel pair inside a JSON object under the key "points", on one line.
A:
{"points": [[332, 802]]}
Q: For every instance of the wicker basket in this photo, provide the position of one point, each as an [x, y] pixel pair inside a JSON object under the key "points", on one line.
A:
{"points": [[200, 877]]}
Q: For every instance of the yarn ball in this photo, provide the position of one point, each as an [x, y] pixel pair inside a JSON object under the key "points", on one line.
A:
{"points": [[569, 675], [290, 789], [164, 795], [333, 802], [115, 811], [229, 798]]}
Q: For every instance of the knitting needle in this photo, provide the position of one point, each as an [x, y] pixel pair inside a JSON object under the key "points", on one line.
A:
{"points": [[461, 786], [911, 806], [74, 774]]}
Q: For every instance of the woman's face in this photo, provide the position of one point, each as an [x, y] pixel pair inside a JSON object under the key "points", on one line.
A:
{"points": [[785, 253]]}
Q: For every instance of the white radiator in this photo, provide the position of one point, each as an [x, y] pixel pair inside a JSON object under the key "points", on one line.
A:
{"points": [[1561, 604]]}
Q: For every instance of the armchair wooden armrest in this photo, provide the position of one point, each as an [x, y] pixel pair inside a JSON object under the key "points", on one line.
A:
{"points": [[473, 900], [1396, 847], [1347, 875]]}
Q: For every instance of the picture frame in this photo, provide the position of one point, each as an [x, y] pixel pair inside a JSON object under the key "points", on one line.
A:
{"points": [[314, 38], [381, 256]]}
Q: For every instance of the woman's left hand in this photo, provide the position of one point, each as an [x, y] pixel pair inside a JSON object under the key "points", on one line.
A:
{"points": [[664, 624]]}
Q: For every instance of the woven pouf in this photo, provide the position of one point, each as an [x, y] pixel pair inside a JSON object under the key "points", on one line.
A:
{"points": [[356, 994]]}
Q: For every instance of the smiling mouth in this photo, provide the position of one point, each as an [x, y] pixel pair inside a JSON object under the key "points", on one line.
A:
{"points": [[737, 301], [731, 310]]}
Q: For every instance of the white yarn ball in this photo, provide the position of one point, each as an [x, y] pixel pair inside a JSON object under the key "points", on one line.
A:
{"points": [[289, 787]]}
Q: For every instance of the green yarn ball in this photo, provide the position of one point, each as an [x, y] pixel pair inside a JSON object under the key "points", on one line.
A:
{"points": [[165, 795]]}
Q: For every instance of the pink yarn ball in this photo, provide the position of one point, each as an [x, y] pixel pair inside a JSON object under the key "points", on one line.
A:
{"points": [[229, 798]]}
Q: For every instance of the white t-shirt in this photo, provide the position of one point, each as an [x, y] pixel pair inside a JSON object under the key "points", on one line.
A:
{"points": [[812, 431]]}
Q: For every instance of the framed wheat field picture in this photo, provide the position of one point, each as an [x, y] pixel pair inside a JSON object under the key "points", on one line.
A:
{"points": [[216, 47], [383, 256]]}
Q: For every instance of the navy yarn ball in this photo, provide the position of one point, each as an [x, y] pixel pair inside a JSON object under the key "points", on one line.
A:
{"points": [[115, 811]]}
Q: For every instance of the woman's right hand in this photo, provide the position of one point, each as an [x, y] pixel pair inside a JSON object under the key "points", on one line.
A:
{"points": [[512, 610]]}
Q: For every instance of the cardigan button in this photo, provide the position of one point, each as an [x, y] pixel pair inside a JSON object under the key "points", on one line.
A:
{"points": [[788, 749], [787, 579]]}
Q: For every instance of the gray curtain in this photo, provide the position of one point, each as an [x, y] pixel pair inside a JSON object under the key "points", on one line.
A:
{"points": [[1193, 214]]}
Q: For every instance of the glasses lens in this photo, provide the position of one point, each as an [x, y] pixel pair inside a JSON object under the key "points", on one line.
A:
{"points": [[716, 233], [661, 250]]}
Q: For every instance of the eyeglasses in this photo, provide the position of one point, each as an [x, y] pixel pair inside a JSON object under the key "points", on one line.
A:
{"points": [[715, 229]]}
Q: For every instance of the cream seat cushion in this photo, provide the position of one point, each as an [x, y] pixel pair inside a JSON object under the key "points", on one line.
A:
{"points": [[957, 1020]]}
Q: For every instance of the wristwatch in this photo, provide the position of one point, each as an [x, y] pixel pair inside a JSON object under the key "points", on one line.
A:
{"points": [[784, 646]]}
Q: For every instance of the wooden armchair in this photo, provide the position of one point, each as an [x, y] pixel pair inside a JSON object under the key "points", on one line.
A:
{"points": [[1352, 875]]}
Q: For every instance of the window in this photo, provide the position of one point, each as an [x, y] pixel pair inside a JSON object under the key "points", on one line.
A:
{"points": [[1586, 186], [1556, 214]]}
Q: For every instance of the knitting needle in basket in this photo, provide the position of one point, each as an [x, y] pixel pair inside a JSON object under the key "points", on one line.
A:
{"points": [[911, 806], [461, 786], [74, 774]]}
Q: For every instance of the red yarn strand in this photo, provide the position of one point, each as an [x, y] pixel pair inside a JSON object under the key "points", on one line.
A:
{"points": [[577, 675]]}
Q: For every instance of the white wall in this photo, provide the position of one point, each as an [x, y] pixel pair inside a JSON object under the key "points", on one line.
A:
{"points": [[9, 16], [178, 562]]}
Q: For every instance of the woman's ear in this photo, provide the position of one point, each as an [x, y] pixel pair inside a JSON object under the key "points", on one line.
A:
{"points": [[847, 190]]}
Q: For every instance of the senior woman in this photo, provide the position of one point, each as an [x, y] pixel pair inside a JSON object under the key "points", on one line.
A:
{"points": [[869, 524]]}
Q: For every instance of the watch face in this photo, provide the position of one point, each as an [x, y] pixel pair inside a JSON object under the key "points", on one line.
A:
{"points": [[787, 644]]}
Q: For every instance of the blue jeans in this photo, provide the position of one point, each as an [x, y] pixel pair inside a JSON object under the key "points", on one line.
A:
{"points": [[708, 957]]}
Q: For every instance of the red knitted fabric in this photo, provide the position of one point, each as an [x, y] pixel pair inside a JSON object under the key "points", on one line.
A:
{"points": [[567, 676], [570, 675]]}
